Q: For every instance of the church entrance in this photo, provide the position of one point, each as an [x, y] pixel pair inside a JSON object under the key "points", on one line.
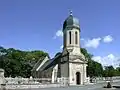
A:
{"points": [[78, 78]]}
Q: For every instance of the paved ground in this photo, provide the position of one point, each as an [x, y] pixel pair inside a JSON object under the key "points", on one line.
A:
{"points": [[87, 87]]}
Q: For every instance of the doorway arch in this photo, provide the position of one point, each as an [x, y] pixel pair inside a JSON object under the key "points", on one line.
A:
{"points": [[78, 78]]}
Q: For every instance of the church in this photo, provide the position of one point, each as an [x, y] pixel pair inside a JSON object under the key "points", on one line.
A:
{"points": [[68, 66]]}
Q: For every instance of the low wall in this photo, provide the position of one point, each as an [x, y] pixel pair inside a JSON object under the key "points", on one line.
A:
{"points": [[105, 79], [27, 80], [22, 83], [2, 79], [31, 86]]}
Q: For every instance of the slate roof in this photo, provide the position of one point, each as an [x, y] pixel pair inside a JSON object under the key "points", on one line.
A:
{"points": [[38, 63], [54, 61], [71, 22], [48, 64]]}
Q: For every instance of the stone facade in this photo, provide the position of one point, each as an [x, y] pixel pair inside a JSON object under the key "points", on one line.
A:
{"points": [[73, 66], [69, 67], [38, 69]]}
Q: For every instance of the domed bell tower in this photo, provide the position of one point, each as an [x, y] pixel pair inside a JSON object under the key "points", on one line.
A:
{"points": [[71, 33], [73, 64]]}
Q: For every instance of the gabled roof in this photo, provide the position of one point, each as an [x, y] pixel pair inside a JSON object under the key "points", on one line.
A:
{"points": [[46, 63], [40, 63], [53, 61]]}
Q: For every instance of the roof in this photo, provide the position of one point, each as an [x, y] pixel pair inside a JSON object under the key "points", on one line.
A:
{"points": [[53, 61], [46, 63], [40, 62], [43, 66], [71, 22]]}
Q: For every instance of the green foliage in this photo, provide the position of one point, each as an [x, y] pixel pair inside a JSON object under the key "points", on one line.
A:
{"points": [[117, 71], [110, 71], [94, 68], [86, 54], [17, 62]]}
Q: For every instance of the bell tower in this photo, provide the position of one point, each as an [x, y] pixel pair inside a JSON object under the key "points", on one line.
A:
{"points": [[73, 63], [71, 33]]}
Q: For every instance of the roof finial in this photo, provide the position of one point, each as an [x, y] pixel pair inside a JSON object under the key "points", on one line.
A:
{"points": [[70, 12]]}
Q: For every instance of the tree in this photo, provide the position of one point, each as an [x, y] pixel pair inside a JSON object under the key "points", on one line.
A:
{"points": [[94, 68], [109, 71], [19, 63], [86, 54]]}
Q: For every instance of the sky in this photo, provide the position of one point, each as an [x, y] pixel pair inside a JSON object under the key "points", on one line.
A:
{"points": [[37, 25]]}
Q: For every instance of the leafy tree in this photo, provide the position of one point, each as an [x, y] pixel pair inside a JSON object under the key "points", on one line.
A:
{"points": [[19, 63], [94, 68], [109, 71], [117, 71]]}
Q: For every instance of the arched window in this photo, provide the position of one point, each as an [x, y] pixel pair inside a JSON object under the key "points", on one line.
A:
{"points": [[70, 37], [76, 38]]}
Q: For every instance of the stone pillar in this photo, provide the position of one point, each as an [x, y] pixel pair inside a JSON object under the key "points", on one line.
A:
{"points": [[54, 74], [2, 79]]}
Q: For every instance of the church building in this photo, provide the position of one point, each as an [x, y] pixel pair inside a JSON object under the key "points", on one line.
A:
{"points": [[68, 66]]}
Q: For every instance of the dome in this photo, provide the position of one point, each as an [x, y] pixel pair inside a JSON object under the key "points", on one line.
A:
{"points": [[71, 22]]}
